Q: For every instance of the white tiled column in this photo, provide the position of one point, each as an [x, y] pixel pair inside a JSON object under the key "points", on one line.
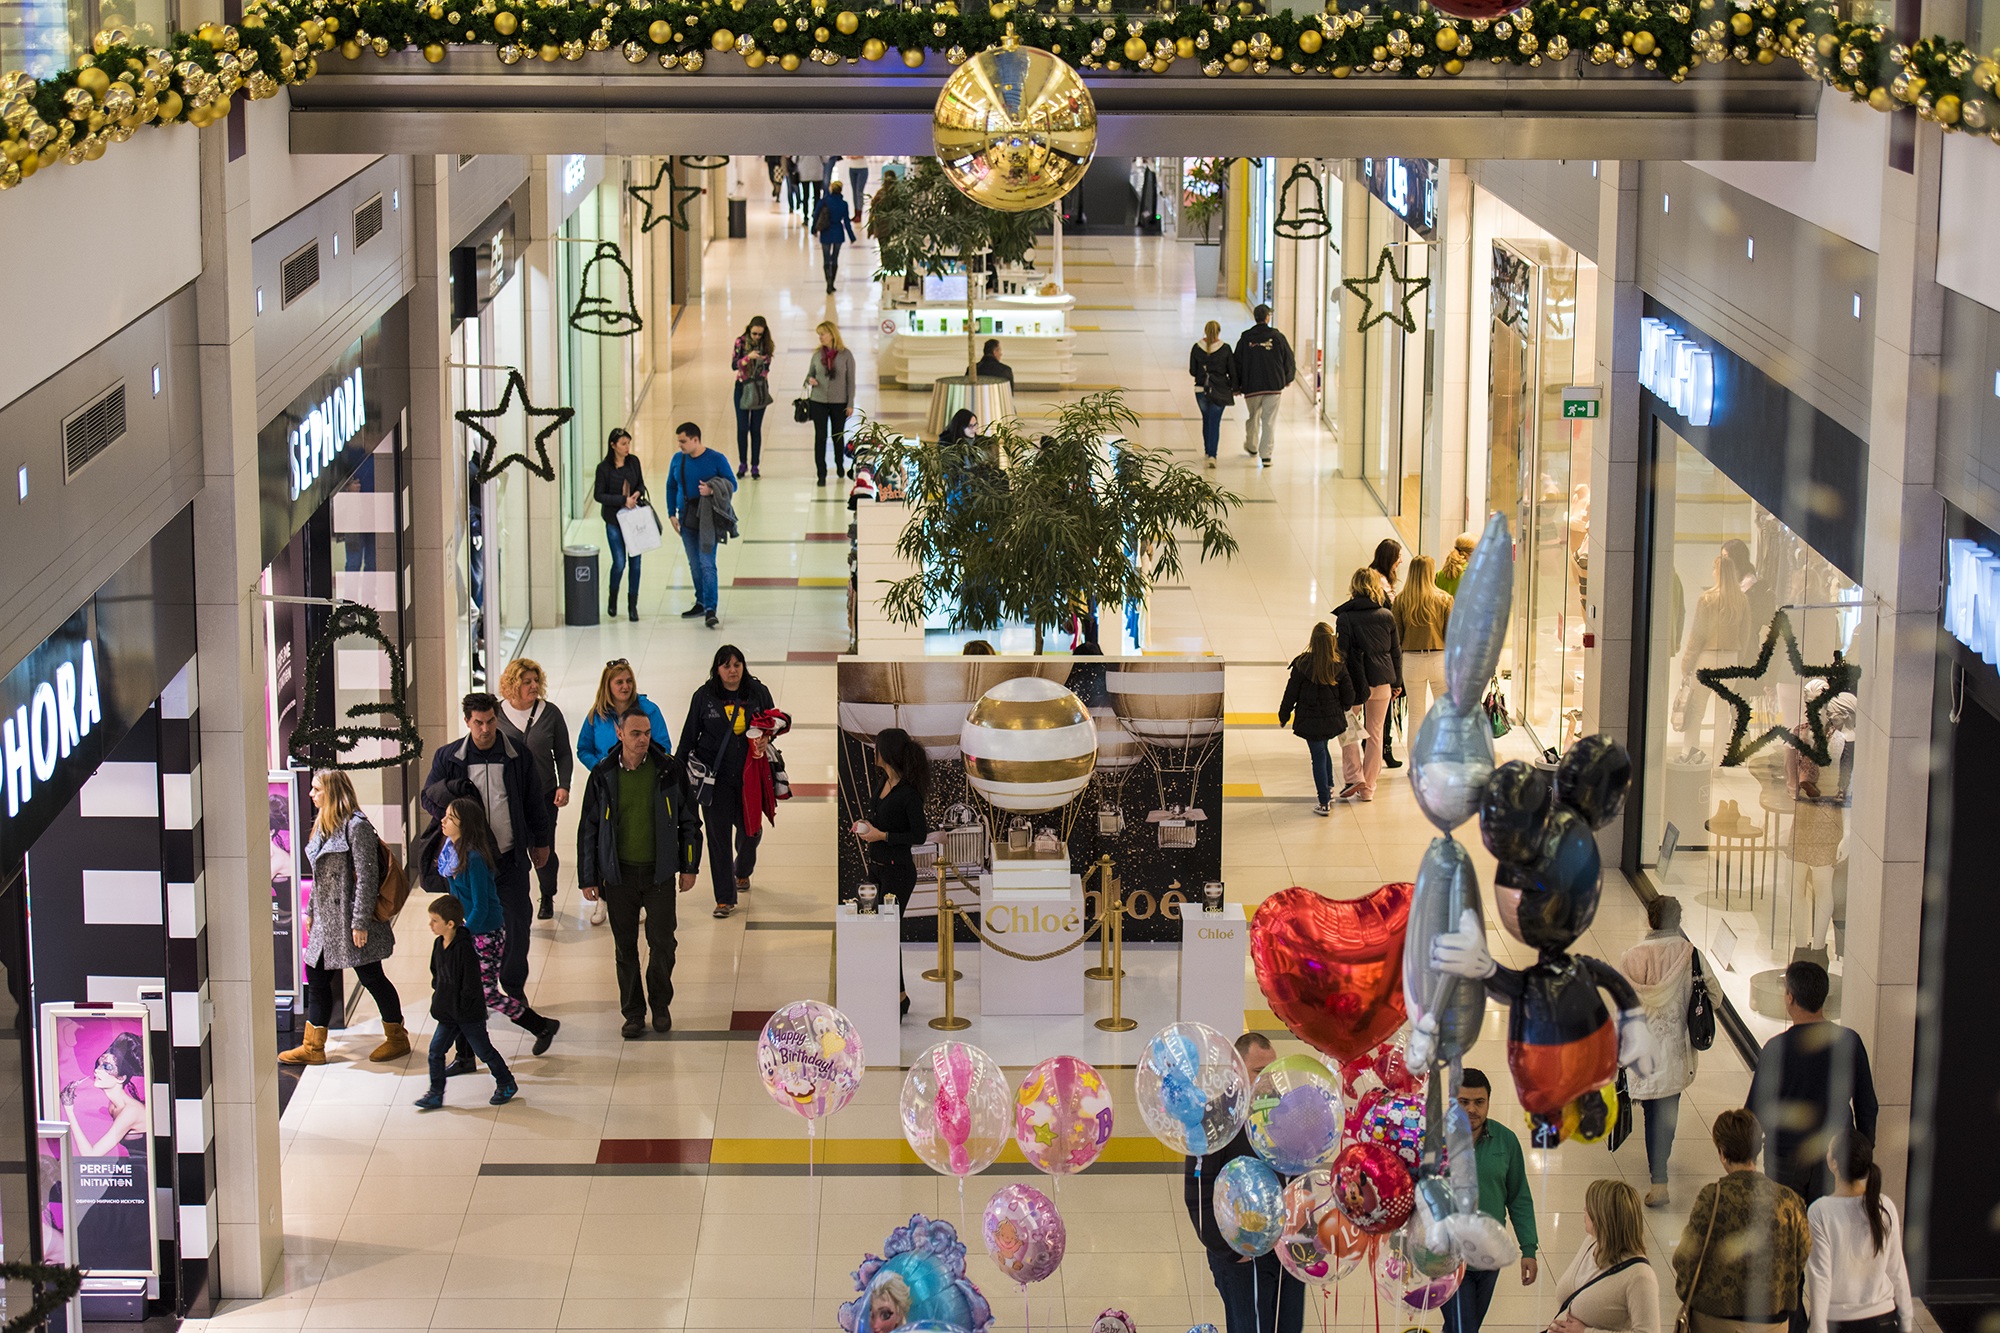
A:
{"points": [[1902, 556], [434, 475], [229, 623], [548, 308], [1464, 319]]}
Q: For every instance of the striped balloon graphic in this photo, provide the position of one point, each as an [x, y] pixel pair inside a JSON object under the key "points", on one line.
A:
{"points": [[1029, 745]]}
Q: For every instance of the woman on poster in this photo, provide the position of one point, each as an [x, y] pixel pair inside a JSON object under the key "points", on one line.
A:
{"points": [[112, 1232]]}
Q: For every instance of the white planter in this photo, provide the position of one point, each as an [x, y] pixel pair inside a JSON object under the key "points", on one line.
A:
{"points": [[1207, 268]]}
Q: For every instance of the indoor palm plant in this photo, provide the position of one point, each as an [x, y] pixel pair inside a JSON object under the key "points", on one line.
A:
{"points": [[1204, 192]]}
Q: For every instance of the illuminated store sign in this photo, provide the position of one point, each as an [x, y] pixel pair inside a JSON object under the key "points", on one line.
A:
{"points": [[1676, 370], [62, 706], [316, 441], [1972, 598], [1407, 187]]}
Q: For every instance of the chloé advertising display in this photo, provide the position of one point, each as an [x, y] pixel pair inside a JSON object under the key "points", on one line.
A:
{"points": [[1756, 649]]}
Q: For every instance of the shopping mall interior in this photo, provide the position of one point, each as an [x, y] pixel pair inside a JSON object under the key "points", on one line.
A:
{"points": [[1647, 357]]}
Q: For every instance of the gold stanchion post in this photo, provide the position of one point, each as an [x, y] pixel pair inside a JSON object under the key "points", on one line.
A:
{"points": [[1107, 894], [949, 1021], [944, 968], [1114, 929]]}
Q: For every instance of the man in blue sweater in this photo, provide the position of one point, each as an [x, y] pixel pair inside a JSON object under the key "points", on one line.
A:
{"points": [[688, 478]]}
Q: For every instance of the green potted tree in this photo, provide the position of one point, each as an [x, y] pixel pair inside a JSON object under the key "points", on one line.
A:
{"points": [[1030, 526], [1204, 193], [923, 224]]}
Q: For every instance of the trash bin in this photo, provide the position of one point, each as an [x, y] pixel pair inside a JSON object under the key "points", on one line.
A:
{"points": [[580, 585], [739, 219]]}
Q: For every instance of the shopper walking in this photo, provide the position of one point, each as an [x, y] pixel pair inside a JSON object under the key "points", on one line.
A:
{"points": [[620, 486], [1318, 694], [833, 226], [1812, 1084], [506, 780], [793, 189], [1258, 1295], [1742, 1256], [1856, 1280], [1503, 1195], [896, 822], [1388, 562], [342, 931], [812, 184], [1212, 367], [751, 360], [617, 690], [1609, 1287], [640, 834], [1264, 369], [699, 486], [829, 385], [1422, 615], [529, 719], [1455, 561], [468, 858], [857, 182], [1366, 631], [774, 171], [990, 366], [458, 1005], [1661, 968], [715, 748]]}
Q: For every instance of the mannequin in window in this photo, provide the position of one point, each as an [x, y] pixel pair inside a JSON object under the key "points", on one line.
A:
{"points": [[1819, 822], [1716, 637]]}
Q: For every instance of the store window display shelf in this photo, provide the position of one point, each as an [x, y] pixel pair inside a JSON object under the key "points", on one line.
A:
{"points": [[918, 344]]}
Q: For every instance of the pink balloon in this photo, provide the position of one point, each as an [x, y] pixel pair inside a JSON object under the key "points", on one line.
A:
{"points": [[954, 1117], [1062, 1115], [1024, 1233], [1373, 1187], [1396, 1121]]}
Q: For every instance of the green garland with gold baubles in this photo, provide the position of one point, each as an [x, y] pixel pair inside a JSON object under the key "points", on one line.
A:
{"points": [[71, 117]]}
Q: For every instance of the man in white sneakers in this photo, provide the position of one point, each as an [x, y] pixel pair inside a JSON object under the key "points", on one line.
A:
{"points": [[1264, 369]]}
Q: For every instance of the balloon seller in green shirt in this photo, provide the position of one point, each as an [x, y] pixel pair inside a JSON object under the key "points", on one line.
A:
{"points": [[1503, 1195]]}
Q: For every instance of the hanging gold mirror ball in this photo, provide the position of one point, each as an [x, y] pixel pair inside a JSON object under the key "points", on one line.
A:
{"points": [[1014, 128]]}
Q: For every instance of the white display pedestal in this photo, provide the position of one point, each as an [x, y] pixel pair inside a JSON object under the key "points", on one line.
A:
{"points": [[866, 951], [1031, 921], [1214, 948]]}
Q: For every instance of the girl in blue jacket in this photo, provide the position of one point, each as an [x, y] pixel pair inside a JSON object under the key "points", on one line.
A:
{"points": [[467, 859]]}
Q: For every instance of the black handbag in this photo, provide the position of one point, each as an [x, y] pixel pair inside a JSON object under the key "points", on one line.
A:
{"points": [[802, 410], [1701, 1010], [1628, 1110], [753, 395], [424, 859], [1219, 390]]}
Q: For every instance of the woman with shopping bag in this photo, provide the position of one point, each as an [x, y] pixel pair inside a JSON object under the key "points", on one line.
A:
{"points": [[631, 528]]}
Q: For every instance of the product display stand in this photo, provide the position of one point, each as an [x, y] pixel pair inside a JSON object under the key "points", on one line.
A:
{"points": [[1215, 948], [866, 948], [1031, 921]]}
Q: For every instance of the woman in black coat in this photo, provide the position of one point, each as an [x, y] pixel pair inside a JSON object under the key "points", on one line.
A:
{"points": [[713, 743], [1366, 630], [619, 485], [1317, 697], [896, 820]]}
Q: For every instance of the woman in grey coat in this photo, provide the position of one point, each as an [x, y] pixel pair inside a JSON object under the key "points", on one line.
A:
{"points": [[345, 858], [830, 393], [527, 716]]}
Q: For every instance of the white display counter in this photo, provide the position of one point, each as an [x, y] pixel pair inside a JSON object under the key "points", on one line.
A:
{"points": [[1214, 949], [1031, 921], [866, 950], [919, 344]]}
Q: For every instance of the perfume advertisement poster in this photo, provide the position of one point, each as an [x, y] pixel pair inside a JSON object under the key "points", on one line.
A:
{"points": [[1109, 755], [96, 1078]]}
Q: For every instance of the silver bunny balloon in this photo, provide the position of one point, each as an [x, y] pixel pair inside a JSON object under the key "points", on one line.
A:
{"points": [[1445, 1010], [1479, 616], [1450, 760]]}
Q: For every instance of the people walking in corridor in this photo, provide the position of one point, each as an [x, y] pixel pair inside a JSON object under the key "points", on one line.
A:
{"points": [[458, 1005], [1661, 968], [857, 182], [1856, 1280], [638, 847], [620, 485], [1212, 366], [1318, 694], [715, 747], [1609, 1287], [529, 719], [1422, 612], [342, 931], [1812, 1084], [751, 360], [1742, 1255], [1366, 630], [1264, 369], [700, 486], [829, 386], [833, 225], [467, 859], [812, 184]]}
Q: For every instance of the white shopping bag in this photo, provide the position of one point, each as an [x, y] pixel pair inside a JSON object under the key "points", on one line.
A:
{"points": [[641, 528]]}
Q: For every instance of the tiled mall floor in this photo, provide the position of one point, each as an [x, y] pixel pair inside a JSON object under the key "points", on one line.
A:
{"points": [[474, 1218]]}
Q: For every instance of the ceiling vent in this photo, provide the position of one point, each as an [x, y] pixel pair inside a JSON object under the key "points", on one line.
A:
{"points": [[299, 273], [88, 433], [466, 159], [368, 222]]}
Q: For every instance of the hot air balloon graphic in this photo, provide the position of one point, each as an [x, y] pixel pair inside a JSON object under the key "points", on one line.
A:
{"points": [[1029, 745], [1173, 710]]}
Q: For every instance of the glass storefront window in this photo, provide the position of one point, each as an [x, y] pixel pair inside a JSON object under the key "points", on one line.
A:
{"points": [[493, 545], [1258, 279], [1396, 371], [1759, 849]]}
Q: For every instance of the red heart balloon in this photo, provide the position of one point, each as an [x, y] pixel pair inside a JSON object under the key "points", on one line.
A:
{"points": [[1332, 969]]}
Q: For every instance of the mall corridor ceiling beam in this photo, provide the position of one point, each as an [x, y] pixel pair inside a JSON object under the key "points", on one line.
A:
{"points": [[399, 104]]}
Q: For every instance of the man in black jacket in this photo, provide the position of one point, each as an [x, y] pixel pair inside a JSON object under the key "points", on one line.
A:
{"points": [[1264, 369], [502, 777], [640, 830], [1258, 1295], [990, 366], [1812, 1084]]}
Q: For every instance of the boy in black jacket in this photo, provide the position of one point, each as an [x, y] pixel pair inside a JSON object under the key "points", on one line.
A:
{"points": [[458, 1003]]}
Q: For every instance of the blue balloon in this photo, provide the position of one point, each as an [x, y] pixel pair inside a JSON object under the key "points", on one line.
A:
{"points": [[1249, 1206], [1192, 1088], [930, 1259]]}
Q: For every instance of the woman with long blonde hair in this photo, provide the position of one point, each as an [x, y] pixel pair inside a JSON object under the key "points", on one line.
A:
{"points": [[346, 858], [1422, 613], [1212, 366], [1609, 1286], [1318, 694], [1366, 631], [829, 396]]}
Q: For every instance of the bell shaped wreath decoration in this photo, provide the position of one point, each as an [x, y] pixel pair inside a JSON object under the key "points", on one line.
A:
{"points": [[334, 746], [602, 314], [1302, 207]]}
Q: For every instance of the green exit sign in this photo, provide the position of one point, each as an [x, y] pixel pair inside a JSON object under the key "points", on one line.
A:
{"points": [[1580, 402]]}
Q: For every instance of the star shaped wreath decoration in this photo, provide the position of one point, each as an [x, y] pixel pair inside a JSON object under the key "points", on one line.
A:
{"points": [[1841, 676], [331, 746], [482, 456], [1411, 289], [679, 198]]}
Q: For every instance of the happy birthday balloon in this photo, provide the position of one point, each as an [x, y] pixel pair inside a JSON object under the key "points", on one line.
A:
{"points": [[1062, 1115], [1318, 1245], [1445, 1010], [1249, 1206], [1332, 969], [955, 1109], [810, 1058], [1295, 1115], [1192, 1088], [1373, 1187], [1024, 1233], [1484, 598]]}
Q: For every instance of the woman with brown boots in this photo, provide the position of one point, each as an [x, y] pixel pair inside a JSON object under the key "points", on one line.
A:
{"points": [[346, 857]]}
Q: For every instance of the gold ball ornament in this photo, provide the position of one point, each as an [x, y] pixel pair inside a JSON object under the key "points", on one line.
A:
{"points": [[505, 23], [1015, 128], [1975, 113], [873, 49], [549, 52], [821, 35], [912, 57], [1643, 43], [955, 56], [659, 31], [170, 105], [723, 40], [434, 53], [1184, 48], [746, 43], [847, 21], [1238, 64], [1135, 49], [693, 61], [635, 52], [1879, 99], [756, 60], [1309, 41], [436, 11], [1947, 110]]}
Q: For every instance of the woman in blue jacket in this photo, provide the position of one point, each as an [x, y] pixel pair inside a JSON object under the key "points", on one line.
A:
{"points": [[617, 690]]}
